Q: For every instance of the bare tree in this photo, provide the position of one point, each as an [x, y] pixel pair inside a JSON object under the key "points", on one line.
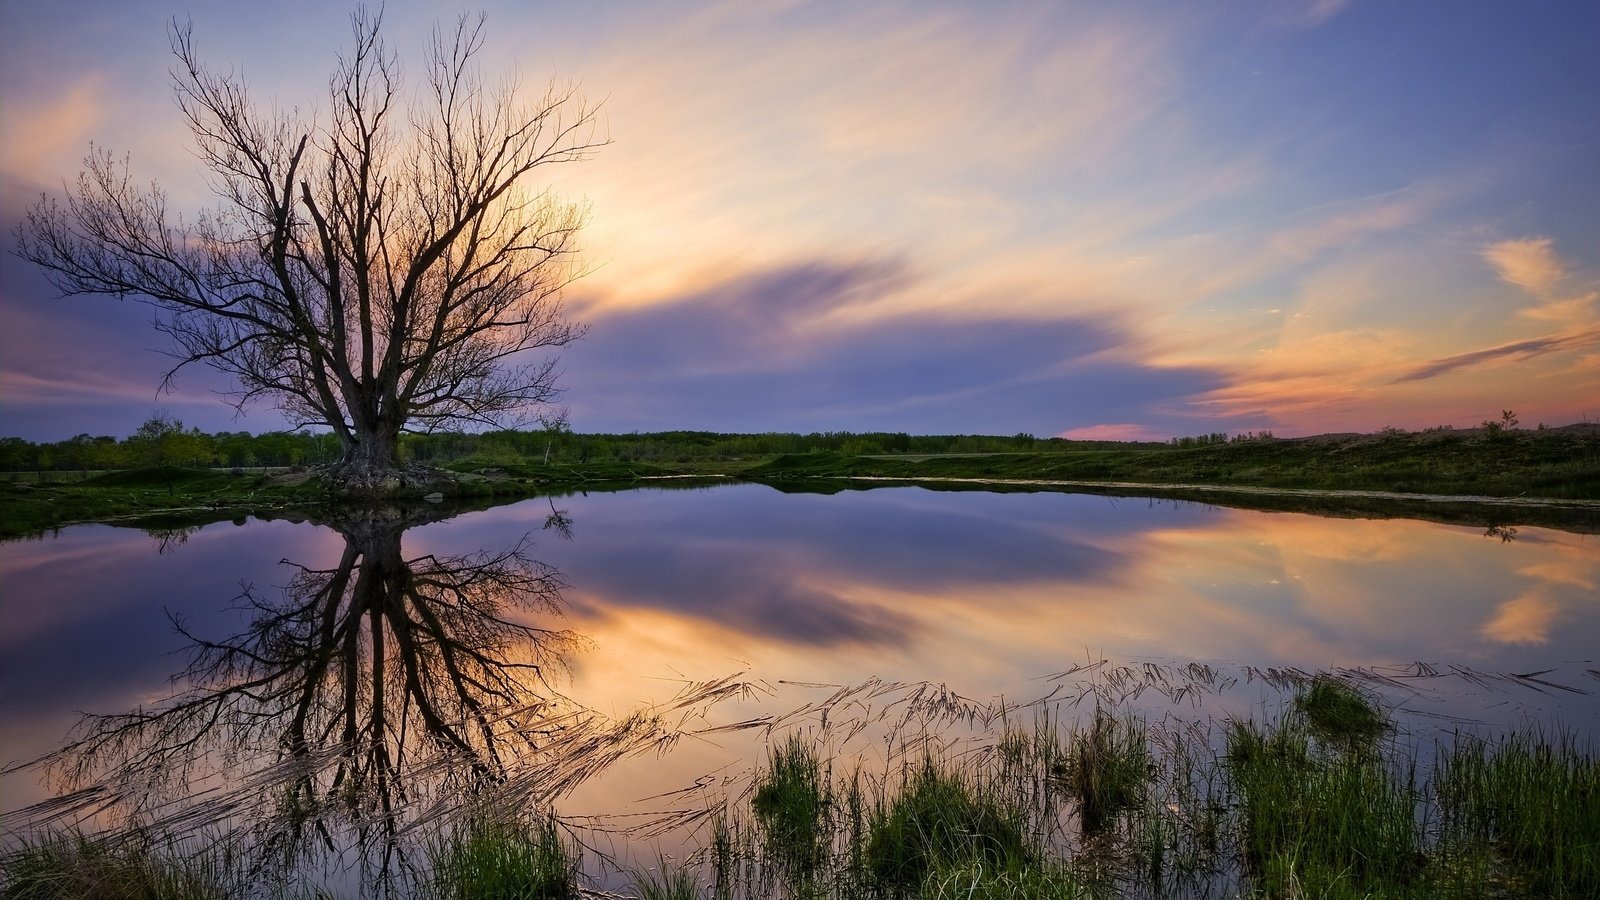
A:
{"points": [[381, 267]]}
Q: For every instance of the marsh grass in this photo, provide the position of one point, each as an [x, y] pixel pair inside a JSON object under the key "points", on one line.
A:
{"points": [[502, 859], [1339, 714], [1527, 811], [1109, 770], [794, 806], [667, 882], [1321, 824], [973, 880], [944, 816], [1322, 799], [71, 866]]}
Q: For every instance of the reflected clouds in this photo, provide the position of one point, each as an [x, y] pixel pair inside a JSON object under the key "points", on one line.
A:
{"points": [[791, 569]]}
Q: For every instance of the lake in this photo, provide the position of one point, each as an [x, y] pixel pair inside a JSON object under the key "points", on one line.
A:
{"points": [[628, 656]]}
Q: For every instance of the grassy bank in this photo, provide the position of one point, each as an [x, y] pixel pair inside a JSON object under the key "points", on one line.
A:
{"points": [[1556, 463], [170, 497], [1321, 799]]}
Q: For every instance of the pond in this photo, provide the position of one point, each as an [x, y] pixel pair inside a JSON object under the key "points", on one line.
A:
{"points": [[625, 658]]}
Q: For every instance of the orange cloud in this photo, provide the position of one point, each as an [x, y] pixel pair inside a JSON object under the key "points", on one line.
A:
{"points": [[1529, 263], [1524, 619], [45, 135], [1118, 432]]}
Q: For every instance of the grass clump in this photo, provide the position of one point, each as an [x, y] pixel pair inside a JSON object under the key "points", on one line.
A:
{"points": [[493, 859], [666, 882], [1531, 807], [793, 803], [942, 819], [1339, 714], [71, 866], [1315, 823], [1109, 770]]}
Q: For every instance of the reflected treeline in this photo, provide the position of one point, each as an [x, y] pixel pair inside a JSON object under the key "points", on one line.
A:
{"points": [[364, 701]]}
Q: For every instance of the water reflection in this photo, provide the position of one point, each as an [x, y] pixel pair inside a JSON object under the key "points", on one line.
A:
{"points": [[404, 673], [363, 695]]}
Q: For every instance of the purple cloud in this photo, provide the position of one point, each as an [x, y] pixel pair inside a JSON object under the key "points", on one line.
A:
{"points": [[759, 354], [1516, 350]]}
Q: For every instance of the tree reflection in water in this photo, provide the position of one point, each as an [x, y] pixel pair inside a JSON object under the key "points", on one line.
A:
{"points": [[370, 701]]}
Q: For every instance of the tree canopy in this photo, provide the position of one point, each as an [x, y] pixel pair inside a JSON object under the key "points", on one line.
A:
{"points": [[385, 265]]}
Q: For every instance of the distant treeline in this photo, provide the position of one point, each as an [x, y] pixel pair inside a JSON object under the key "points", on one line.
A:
{"points": [[165, 441]]}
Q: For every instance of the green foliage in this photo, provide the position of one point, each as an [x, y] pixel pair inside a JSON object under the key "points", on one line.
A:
{"points": [[495, 859], [1531, 805], [943, 818], [1109, 769], [1339, 714], [794, 806], [1322, 824], [70, 866]]}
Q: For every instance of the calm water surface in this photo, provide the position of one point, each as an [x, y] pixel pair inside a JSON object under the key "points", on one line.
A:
{"points": [[988, 595]]}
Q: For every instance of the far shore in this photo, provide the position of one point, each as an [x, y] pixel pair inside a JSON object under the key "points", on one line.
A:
{"points": [[1489, 478]]}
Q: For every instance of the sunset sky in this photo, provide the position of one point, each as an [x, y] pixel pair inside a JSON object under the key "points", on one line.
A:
{"points": [[1118, 219]]}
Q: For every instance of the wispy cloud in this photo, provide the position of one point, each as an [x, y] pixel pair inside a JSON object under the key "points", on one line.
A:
{"points": [[1312, 13], [1516, 350], [1528, 263]]}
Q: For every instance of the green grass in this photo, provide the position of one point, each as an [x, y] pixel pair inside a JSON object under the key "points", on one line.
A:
{"points": [[1531, 807], [1109, 769], [1338, 714], [497, 859], [166, 497], [1320, 824], [1553, 463], [70, 866], [943, 817], [793, 804]]}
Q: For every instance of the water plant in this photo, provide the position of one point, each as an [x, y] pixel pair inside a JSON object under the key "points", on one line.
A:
{"points": [[502, 858], [1109, 769], [793, 803], [1316, 821], [972, 879], [1530, 806], [1339, 714], [667, 882], [72, 866], [943, 817]]}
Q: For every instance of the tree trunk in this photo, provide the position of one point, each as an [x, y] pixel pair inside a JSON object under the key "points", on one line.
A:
{"points": [[370, 467], [374, 450]]}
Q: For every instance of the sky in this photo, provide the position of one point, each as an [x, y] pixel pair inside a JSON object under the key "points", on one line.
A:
{"points": [[1093, 219]]}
